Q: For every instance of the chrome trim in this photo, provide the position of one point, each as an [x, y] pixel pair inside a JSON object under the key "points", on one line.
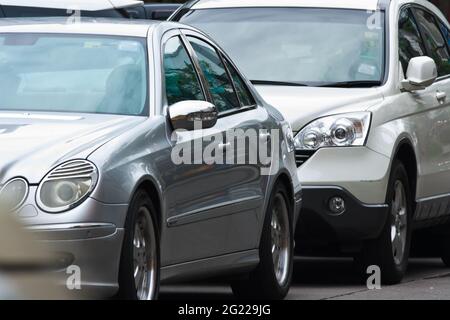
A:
{"points": [[25, 195], [206, 214], [80, 231], [73, 169], [69, 226]]}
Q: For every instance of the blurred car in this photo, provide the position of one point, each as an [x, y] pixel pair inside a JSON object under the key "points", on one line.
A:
{"points": [[91, 117], [48, 8], [153, 11]]}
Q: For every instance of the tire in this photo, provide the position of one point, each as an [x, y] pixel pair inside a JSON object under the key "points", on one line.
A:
{"points": [[445, 250], [392, 255], [265, 282], [138, 254]]}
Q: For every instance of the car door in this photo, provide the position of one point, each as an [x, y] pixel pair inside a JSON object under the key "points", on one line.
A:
{"points": [[211, 206], [252, 127], [435, 144]]}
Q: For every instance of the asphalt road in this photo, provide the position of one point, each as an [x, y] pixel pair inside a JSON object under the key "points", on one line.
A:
{"points": [[335, 279]]}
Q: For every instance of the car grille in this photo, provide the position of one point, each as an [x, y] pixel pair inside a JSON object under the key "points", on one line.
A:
{"points": [[73, 169], [301, 156]]}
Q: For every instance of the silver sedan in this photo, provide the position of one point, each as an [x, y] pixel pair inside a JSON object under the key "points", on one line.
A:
{"points": [[139, 154]]}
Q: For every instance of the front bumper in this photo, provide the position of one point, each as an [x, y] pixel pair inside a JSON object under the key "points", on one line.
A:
{"points": [[89, 236], [93, 249], [360, 176], [357, 223]]}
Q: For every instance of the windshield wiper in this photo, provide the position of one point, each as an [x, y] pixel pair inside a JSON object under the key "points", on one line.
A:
{"points": [[278, 83], [352, 84]]}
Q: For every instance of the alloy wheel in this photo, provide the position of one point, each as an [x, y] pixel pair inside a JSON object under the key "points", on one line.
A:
{"points": [[280, 235], [145, 256], [399, 222]]}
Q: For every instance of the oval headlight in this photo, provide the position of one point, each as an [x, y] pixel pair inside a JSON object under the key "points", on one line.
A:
{"points": [[67, 186], [13, 194]]}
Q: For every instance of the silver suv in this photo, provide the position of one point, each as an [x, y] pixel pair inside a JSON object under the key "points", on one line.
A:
{"points": [[366, 87]]}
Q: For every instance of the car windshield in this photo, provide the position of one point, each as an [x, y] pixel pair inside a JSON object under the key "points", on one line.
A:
{"points": [[73, 73], [299, 46]]}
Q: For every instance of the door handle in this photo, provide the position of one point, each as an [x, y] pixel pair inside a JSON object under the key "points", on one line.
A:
{"points": [[441, 96]]}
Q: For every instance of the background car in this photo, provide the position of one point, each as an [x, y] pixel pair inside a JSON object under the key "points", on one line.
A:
{"points": [[153, 11], [88, 142], [48, 8], [365, 85]]}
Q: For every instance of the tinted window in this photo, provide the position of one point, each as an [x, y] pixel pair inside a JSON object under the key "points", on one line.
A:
{"points": [[434, 40], [19, 11], [216, 75], [445, 32], [410, 41], [73, 73], [305, 45], [181, 79], [244, 94]]}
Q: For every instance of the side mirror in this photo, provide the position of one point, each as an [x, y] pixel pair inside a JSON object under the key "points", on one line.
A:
{"points": [[422, 72], [188, 115]]}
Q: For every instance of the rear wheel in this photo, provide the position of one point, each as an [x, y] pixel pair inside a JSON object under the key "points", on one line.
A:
{"points": [[391, 250], [272, 278], [445, 250], [139, 265]]}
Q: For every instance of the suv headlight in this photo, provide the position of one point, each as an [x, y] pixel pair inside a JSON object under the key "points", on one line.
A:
{"points": [[342, 130], [67, 186], [13, 194]]}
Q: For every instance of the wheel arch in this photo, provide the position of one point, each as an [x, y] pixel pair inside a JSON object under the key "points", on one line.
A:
{"points": [[284, 178], [153, 190], [405, 153]]}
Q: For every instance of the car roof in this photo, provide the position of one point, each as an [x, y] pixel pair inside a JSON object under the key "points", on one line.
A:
{"points": [[87, 5], [347, 4], [84, 25]]}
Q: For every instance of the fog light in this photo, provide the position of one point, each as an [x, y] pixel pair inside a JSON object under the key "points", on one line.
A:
{"points": [[337, 205]]}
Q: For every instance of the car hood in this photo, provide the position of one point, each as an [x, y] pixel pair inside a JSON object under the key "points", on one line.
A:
{"points": [[33, 143], [301, 105]]}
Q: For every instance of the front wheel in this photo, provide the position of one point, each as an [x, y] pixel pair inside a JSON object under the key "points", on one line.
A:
{"points": [[390, 251], [140, 265], [272, 278], [445, 250]]}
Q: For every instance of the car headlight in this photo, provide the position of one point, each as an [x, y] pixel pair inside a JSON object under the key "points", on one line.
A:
{"points": [[67, 186], [13, 194], [342, 130]]}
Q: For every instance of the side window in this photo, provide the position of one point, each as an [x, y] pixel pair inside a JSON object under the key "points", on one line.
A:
{"points": [[181, 79], [410, 41], [244, 94], [434, 41], [445, 32], [221, 87]]}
